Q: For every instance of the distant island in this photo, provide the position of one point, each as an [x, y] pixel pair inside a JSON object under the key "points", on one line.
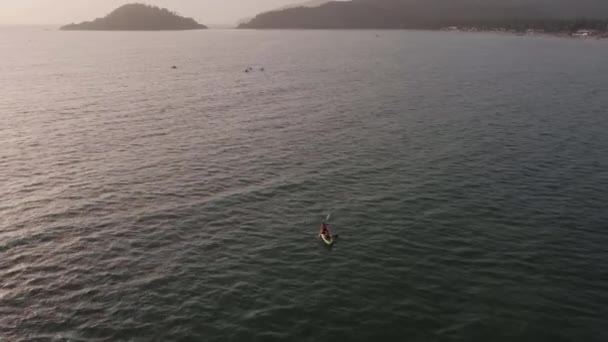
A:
{"points": [[551, 16], [138, 17]]}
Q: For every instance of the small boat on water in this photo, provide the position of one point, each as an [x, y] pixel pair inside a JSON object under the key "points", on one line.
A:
{"points": [[326, 236], [328, 239]]}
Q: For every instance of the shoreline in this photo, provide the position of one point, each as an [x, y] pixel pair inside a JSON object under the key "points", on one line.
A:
{"points": [[532, 33], [529, 33]]}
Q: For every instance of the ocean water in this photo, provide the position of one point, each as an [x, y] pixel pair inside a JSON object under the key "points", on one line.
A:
{"points": [[466, 174]]}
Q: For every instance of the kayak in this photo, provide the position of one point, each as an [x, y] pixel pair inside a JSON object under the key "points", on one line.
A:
{"points": [[329, 240]]}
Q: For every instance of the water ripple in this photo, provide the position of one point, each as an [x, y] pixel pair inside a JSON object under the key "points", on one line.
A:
{"points": [[142, 204]]}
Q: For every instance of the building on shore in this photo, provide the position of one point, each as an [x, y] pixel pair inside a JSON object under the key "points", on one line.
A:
{"points": [[583, 33]]}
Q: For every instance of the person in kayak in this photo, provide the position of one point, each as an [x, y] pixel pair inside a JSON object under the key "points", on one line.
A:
{"points": [[325, 230]]}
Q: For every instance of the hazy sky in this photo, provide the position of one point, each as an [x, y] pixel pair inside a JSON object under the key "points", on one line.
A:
{"points": [[210, 12]]}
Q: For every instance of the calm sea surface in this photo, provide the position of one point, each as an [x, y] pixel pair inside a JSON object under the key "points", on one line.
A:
{"points": [[466, 174]]}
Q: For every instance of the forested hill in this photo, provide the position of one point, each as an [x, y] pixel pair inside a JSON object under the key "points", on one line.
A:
{"points": [[138, 17], [427, 14]]}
